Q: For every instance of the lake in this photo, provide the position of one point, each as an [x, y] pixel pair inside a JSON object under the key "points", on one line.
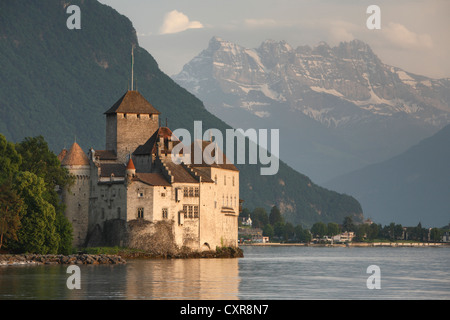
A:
{"points": [[265, 273]]}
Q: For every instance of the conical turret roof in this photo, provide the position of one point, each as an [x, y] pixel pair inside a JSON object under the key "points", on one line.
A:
{"points": [[130, 165], [75, 157]]}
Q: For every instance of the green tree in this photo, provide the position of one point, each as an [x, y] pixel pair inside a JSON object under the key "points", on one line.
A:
{"points": [[436, 234], [245, 213], [38, 159], [279, 230], [9, 159], [38, 233], [301, 234], [259, 218], [348, 224], [11, 207], [319, 229], [275, 216], [268, 231], [333, 229], [361, 232], [374, 231], [289, 231]]}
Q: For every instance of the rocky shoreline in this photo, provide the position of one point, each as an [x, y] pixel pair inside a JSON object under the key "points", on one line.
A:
{"points": [[226, 252], [53, 259], [120, 258]]}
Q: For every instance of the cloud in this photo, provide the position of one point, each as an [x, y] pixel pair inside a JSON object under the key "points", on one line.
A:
{"points": [[176, 21], [341, 31], [398, 35]]}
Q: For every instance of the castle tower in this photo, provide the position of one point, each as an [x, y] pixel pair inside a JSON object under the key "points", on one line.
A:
{"points": [[76, 197], [130, 122], [130, 171]]}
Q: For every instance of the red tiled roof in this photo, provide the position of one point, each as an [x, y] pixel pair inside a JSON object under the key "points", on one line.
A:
{"points": [[62, 154], [153, 179]]}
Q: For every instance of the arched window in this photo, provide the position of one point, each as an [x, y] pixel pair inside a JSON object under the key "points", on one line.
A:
{"points": [[140, 213]]}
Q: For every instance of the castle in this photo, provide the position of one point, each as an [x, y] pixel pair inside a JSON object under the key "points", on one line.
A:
{"points": [[134, 181]]}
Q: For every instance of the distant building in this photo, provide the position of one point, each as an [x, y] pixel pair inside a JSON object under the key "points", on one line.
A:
{"points": [[134, 179], [344, 237], [246, 221]]}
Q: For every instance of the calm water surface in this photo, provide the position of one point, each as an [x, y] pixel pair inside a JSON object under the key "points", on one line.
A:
{"points": [[264, 273]]}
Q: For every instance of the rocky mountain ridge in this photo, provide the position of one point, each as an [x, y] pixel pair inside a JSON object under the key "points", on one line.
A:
{"points": [[351, 108]]}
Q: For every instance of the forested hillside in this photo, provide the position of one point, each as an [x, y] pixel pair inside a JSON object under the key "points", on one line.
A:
{"points": [[58, 82]]}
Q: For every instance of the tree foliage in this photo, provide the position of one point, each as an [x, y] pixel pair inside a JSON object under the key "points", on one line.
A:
{"points": [[275, 216], [11, 208], [32, 216], [37, 158]]}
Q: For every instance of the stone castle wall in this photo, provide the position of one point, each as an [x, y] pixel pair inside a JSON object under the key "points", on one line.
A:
{"points": [[76, 199]]}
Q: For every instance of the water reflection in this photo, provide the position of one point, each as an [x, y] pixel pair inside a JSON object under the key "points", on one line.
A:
{"points": [[139, 279], [183, 279], [263, 273]]}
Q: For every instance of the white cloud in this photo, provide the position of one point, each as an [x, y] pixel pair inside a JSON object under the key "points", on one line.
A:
{"points": [[398, 35], [176, 21], [341, 31]]}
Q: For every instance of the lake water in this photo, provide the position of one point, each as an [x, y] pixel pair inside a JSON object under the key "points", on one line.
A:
{"points": [[266, 273]]}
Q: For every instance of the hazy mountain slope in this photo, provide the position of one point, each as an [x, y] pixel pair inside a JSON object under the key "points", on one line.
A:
{"points": [[58, 82], [410, 188], [341, 106]]}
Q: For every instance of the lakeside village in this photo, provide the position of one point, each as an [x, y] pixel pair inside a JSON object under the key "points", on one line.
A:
{"points": [[258, 227]]}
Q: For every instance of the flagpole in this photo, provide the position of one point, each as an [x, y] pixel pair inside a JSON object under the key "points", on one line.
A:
{"points": [[132, 67]]}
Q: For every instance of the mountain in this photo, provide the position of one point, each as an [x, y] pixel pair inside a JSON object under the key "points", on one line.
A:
{"points": [[58, 83], [338, 108], [410, 188]]}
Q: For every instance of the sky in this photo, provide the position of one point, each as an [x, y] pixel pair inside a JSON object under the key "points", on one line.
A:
{"points": [[413, 34]]}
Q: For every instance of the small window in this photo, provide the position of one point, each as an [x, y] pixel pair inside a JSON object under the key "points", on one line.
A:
{"points": [[196, 212], [196, 192], [165, 213], [191, 211], [163, 194], [186, 192], [215, 179], [232, 181], [191, 192], [140, 213], [224, 180]]}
